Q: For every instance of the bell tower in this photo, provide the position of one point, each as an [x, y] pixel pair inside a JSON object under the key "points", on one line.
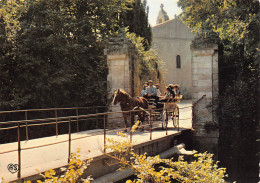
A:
{"points": [[162, 16]]}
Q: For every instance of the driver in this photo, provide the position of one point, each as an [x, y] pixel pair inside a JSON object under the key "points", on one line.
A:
{"points": [[151, 92]]}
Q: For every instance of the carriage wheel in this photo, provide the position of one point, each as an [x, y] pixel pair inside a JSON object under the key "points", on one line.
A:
{"points": [[164, 120], [175, 117]]}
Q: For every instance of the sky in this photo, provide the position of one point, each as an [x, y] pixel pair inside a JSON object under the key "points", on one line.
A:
{"points": [[170, 6]]}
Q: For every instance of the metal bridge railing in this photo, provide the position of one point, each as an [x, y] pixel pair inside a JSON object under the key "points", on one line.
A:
{"points": [[56, 120]]}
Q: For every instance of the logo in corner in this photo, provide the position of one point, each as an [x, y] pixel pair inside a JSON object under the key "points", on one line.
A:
{"points": [[13, 168]]}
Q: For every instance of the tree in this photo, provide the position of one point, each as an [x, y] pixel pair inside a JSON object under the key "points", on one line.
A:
{"points": [[55, 52], [136, 19], [234, 25], [52, 51], [52, 54], [10, 12], [148, 59]]}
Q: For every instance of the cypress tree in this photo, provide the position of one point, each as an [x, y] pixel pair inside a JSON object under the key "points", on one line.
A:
{"points": [[136, 19]]}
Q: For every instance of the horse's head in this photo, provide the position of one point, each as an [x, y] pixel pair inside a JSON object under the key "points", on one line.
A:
{"points": [[116, 97]]}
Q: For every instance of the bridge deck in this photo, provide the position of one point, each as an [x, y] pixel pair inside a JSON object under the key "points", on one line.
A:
{"points": [[53, 156]]}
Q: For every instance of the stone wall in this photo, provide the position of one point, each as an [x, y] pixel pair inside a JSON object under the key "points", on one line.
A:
{"points": [[205, 82], [118, 64], [123, 73], [123, 64]]}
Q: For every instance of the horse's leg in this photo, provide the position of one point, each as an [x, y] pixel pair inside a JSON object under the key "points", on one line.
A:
{"points": [[141, 118], [132, 118], [125, 120]]}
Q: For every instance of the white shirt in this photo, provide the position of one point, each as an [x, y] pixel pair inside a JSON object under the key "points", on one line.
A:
{"points": [[158, 92]]}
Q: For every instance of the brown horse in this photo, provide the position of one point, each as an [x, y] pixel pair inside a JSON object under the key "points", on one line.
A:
{"points": [[128, 103]]}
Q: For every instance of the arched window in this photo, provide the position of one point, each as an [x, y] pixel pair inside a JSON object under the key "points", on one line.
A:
{"points": [[178, 61], [160, 20]]}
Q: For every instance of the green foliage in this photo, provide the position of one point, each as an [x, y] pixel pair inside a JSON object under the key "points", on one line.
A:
{"points": [[234, 25], [10, 13], [52, 51], [136, 19], [203, 169], [149, 59], [222, 17]]}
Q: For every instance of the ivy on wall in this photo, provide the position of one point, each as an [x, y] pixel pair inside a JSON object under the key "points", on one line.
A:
{"points": [[149, 61]]}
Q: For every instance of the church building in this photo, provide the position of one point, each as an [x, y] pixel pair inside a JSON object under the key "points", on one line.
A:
{"points": [[172, 39]]}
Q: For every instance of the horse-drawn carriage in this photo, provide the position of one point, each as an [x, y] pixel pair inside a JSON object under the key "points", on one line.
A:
{"points": [[166, 111]]}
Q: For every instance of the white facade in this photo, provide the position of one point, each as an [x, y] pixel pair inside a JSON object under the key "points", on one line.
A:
{"points": [[172, 39]]}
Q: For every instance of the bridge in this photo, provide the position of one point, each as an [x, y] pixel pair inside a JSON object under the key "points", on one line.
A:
{"points": [[30, 156]]}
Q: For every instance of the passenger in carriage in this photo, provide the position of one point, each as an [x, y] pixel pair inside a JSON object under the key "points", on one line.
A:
{"points": [[143, 92], [167, 98], [177, 90], [169, 95], [158, 92], [171, 86]]}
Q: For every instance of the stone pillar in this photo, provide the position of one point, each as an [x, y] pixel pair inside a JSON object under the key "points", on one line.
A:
{"points": [[205, 82], [119, 62]]}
